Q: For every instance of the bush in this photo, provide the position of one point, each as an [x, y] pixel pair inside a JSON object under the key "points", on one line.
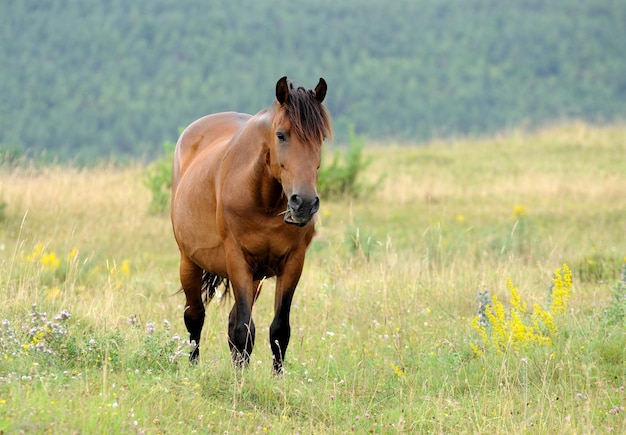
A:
{"points": [[616, 312], [158, 179], [339, 178]]}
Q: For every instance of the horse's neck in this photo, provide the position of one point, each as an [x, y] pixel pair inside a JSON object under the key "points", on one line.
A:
{"points": [[271, 192], [257, 176], [269, 189]]}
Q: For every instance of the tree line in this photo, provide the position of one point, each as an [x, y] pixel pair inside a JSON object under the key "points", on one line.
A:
{"points": [[87, 79]]}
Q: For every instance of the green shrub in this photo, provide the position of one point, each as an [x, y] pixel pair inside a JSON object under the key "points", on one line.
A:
{"points": [[616, 312], [362, 241], [339, 178], [158, 178]]}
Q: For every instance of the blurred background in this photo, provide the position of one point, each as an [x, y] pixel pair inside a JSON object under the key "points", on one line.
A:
{"points": [[82, 80]]}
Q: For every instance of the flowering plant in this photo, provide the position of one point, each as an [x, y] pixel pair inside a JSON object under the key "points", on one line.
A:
{"points": [[515, 329]]}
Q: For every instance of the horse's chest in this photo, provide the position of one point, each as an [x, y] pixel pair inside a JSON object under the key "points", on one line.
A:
{"points": [[267, 253], [264, 264], [265, 250]]}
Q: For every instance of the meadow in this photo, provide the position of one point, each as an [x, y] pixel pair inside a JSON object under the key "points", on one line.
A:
{"points": [[438, 302]]}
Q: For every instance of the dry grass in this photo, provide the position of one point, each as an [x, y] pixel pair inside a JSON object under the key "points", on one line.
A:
{"points": [[381, 319]]}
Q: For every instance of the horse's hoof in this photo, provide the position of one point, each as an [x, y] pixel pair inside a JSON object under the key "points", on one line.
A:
{"points": [[279, 370], [240, 360], [194, 356]]}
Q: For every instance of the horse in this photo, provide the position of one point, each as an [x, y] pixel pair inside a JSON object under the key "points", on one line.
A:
{"points": [[243, 209]]}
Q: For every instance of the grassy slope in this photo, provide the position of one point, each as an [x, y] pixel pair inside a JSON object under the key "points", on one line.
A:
{"points": [[381, 320]]}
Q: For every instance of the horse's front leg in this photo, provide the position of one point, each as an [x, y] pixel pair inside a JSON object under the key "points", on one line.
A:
{"points": [[280, 329], [241, 330], [241, 333]]}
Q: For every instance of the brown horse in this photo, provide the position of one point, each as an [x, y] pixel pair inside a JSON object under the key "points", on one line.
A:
{"points": [[243, 209]]}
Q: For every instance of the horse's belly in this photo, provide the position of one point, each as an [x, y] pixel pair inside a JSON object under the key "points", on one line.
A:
{"points": [[197, 237], [203, 246], [212, 260]]}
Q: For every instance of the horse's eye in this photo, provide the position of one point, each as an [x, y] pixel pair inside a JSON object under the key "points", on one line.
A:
{"points": [[280, 135]]}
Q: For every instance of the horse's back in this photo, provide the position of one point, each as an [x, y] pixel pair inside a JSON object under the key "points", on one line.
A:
{"points": [[207, 132]]}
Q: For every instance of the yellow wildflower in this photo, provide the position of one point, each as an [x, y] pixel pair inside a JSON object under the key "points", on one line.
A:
{"points": [[501, 329], [540, 315], [519, 211], [496, 315], [396, 370], [561, 290], [50, 261], [125, 269], [72, 255], [36, 254], [516, 301], [475, 349], [481, 330]]}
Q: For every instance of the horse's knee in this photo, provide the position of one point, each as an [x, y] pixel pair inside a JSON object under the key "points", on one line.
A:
{"points": [[241, 340], [243, 335]]}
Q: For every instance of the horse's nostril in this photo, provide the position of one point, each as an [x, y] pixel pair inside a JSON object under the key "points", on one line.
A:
{"points": [[299, 203], [295, 201], [316, 205]]}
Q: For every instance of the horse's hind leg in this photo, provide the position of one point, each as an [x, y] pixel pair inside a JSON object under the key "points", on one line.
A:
{"points": [[191, 281]]}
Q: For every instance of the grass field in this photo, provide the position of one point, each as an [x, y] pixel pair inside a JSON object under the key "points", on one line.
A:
{"points": [[92, 338]]}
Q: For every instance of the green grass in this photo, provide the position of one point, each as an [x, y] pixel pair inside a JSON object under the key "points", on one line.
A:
{"points": [[381, 321]]}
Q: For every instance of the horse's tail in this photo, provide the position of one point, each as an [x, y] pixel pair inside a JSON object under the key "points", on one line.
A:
{"points": [[210, 283]]}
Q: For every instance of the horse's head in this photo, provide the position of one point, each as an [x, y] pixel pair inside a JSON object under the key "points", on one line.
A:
{"points": [[300, 125]]}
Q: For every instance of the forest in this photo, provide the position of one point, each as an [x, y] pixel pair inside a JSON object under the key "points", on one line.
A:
{"points": [[83, 80]]}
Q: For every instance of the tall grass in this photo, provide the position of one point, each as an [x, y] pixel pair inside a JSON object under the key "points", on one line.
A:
{"points": [[93, 339]]}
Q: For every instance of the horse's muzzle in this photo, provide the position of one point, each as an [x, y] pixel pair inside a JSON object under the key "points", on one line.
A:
{"points": [[301, 209]]}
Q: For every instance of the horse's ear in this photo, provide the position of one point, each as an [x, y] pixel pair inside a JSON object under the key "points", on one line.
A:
{"points": [[320, 90], [282, 90]]}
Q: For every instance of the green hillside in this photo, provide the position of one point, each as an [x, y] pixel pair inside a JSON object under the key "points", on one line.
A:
{"points": [[86, 78]]}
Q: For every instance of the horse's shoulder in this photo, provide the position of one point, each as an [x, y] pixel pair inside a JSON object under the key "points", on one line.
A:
{"points": [[205, 133]]}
